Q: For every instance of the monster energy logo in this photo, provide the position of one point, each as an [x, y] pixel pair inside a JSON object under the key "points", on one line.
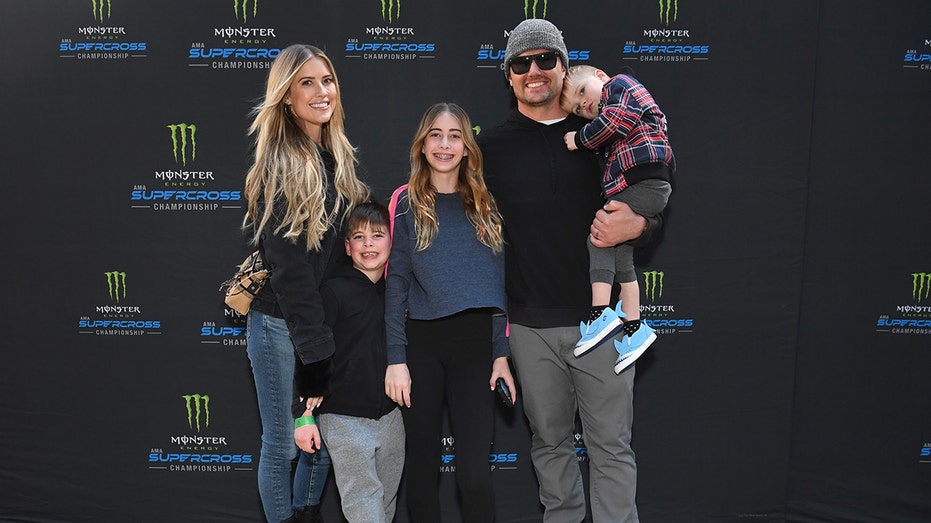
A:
{"points": [[193, 414], [241, 4], [921, 284], [387, 6], [653, 284], [116, 282], [665, 6], [179, 132], [98, 6], [530, 8]]}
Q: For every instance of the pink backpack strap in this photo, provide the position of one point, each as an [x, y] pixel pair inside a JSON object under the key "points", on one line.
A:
{"points": [[392, 207]]}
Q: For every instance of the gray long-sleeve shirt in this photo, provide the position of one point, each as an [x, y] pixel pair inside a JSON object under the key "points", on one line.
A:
{"points": [[457, 272]]}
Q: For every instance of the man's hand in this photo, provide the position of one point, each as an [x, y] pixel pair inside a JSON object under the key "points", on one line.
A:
{"points": [[615, 223]]}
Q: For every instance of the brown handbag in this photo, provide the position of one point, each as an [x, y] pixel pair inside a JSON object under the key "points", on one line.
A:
{"points": [[246, 283]]}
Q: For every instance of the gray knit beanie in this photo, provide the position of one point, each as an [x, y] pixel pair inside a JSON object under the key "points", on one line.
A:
{"points": [[534, 33]]}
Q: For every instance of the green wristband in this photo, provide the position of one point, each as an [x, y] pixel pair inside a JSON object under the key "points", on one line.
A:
{"points": [[304, 420]]}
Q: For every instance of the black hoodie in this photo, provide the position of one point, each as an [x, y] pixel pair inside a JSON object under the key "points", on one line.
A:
{"points": [[548, 197]]}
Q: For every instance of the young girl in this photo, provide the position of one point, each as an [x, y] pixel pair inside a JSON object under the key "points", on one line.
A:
{"points": [[302, 182], [446, 274]]}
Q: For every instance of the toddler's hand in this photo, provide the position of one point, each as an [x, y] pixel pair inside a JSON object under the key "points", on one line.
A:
{"points": [[569, 138]]}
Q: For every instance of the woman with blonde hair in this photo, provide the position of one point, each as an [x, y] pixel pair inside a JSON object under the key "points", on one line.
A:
{"points": [[444, 313], [301, 185]]}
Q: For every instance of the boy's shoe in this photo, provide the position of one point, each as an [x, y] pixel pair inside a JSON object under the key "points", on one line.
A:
{"points": [[631, 348], [598, 330]]}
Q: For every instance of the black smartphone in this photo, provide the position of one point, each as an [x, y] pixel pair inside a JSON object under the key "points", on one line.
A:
{"points": [[504, 392]]}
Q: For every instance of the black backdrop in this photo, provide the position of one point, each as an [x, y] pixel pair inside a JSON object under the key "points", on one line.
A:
{"points": [[791, 289]]}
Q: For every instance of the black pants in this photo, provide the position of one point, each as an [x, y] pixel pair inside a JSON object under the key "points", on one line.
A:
{"points": [[450, 364]]}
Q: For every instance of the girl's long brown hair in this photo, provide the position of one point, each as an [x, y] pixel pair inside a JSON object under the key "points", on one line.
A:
{"points": [[480, 207]]}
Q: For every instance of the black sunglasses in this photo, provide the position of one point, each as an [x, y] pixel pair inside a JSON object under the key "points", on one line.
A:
{"points": [[545, 61]]}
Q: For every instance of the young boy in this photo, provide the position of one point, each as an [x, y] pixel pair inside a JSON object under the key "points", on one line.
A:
{"points": [[361, 425], [629, 130]]}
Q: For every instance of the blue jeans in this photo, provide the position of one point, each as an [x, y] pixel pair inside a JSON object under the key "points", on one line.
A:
{"points": [[310, 477], [271, 354]]}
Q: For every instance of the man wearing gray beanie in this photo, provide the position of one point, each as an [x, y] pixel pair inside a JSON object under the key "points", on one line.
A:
{"points": [[547, 194], [535, 33]]}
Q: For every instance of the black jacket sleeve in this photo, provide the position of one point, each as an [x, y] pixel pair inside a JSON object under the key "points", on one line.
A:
{"points": [[312, 380], [654, 226]]}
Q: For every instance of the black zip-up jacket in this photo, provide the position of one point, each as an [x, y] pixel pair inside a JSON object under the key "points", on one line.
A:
{"points": [[293, 291], [548, 197], [355, 310]]}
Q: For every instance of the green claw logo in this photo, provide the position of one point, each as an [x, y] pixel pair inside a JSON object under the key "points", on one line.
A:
{"points": [[530, 8], [921, 285], [179, 133], [98, 6], [116, 283], [653, 284], [241, 5], [193, 414], [667, 6], [387, 6]]}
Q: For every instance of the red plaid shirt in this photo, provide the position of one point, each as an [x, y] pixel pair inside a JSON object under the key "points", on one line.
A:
{"points": [[630, 130]]}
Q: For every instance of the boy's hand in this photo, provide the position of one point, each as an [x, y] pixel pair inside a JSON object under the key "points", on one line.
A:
{"points": [[569, 138], [398, 384], [308, 438]]}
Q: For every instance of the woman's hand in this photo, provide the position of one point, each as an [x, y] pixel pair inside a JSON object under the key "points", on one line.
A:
{"points": [[398, 384], [501, 369], [312, 403]]}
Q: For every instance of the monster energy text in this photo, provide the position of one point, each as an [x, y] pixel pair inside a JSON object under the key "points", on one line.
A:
{"points": [[245, 32], [117, 311], [184, 178], [102, 33], [199, 441], [389, 31], [666, 33], [245, 35]]}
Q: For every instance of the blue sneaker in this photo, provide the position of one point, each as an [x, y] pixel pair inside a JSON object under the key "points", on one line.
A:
{"points": [[597, 331], [631, 348]]}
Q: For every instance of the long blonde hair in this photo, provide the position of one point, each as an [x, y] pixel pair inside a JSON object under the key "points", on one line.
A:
{"points": [[480, 207], [288, 164]]}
